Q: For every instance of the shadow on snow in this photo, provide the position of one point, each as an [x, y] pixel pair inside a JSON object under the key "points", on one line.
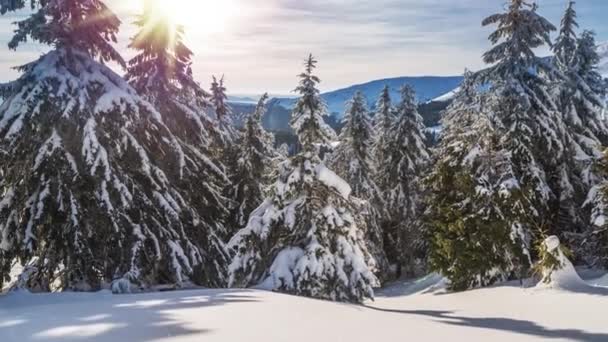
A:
{"points": [[106, 317], [502, 324]]}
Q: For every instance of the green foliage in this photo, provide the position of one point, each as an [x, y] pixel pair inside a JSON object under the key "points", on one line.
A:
{"points": [[469, 238]]}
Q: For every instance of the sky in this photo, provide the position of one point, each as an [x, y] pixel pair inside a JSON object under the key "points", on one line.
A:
{"points": [[260, 45]]}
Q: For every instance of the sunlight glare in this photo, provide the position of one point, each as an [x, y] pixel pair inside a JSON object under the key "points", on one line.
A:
{"points": [[208, 16]]}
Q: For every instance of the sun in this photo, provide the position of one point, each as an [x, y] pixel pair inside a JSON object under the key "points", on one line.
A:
{"points": [[207, 16]]}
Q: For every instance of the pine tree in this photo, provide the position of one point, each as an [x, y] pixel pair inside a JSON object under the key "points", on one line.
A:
{"points": [[223, 113], [352, 160], [533, 131], [594, 241], [466, 217], [407, 158], [592, 89], [162, 74], [255, 156], [579, 94], [384, 119], [566, 44], [509, 200], [304, 238], [219, 98], [95, 186], [67, 24], [162, 68]]}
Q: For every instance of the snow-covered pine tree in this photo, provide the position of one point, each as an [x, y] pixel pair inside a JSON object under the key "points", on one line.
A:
{"points": [[533, 130], [220, 99], [384, 119], [56, 26], [528, 144], [569, 216], [224, 115], [594, 246], [566, 43], [90, 183], [161, 73], [592, 89], [304, 238], [383, 122], [255, 156], [579, 94], [464, 219], [162, 66], [352, 160], [400, 172]]}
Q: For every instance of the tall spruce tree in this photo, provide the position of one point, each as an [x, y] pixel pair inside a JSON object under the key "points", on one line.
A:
{"points": [[593, 247], [304, 238], [569, 217], [95, 186], [51, 24], [466, 227], [534, 131], [162, 67], [161, 72], [223, 115], [579, 94], [566, 43], [352, 160], [384, 119], [527, 145], [592, 90], [406, 159], [254, 159], [220, 99]]}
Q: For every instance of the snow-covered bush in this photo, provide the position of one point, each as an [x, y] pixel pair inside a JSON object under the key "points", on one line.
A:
{"points": [[556, 269]]}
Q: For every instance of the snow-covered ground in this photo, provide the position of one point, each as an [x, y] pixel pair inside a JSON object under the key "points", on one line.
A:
{"points": [[411, 311], [447, 96]]}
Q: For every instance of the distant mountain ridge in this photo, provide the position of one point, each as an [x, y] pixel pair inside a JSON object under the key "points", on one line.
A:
{"points": [[435, 89], [427, 88]]}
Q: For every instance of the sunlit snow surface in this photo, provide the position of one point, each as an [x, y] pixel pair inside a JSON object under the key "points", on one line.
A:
{"points": [[406, 311]]}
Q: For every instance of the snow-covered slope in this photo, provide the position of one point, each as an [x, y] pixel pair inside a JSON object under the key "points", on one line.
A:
{"points": [[603, 51], [447, 96], [403, 312], [427, 88]]}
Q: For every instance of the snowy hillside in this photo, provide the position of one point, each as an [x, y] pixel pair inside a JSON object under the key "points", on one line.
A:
{"points": [[427, 88], [403, 312], [447, 96], [603, 51]]}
